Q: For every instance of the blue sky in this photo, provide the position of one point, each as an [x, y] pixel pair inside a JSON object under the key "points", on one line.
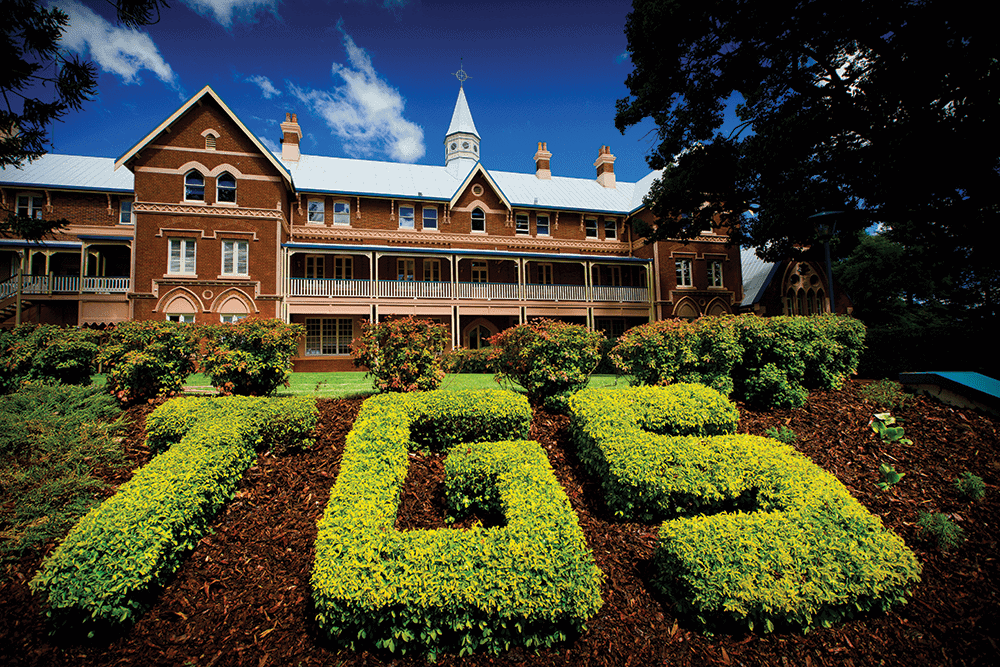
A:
{"points": [[369, 79]]}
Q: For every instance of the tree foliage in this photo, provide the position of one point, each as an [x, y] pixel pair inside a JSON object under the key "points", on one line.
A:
{"points": [[882, 110], [252, 357], [402, 354]]}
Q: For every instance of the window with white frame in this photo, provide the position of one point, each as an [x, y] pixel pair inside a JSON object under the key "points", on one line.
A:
{"points": [[341, 213], [181, 256], [406, 217], [30, 206], [235, 256], [328, 335], [225, 188], [715, 273], [125, 214], [183, 318], [544, 274], [590, 225], [521, 223], [343, 268], [315, 267], [406, 269], [610, 229], [231, 318], [684, 272], [317, 211], [542, 224], [432, 270], [430, 217], [194, 186], [478, 220], [480, 273]]}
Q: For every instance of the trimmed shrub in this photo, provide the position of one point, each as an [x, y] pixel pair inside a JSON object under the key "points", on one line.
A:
{"points": [[402, 354], [111, 563], [46, 354], [252, 357], [148, 359], [549, 359], [756, 535], [530, 582]]}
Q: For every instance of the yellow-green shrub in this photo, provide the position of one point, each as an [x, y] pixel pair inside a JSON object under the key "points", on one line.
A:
{"points": [[110, 564], [756, 535], [530, 582]]}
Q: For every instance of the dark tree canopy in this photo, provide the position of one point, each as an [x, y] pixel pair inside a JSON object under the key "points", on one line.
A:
{"points": [[885, 110]]}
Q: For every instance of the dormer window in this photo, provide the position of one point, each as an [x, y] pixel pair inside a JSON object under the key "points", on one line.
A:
{"points": [[478, 220], [225, 188], [194, 186]]}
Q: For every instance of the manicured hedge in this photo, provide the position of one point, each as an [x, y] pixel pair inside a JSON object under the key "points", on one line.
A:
{"points": [[110, 564], [530, 582], [756, 535]]}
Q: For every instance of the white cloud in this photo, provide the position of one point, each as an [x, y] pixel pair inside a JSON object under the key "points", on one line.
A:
{"points": [[118, 50], [271, 145], [365, 111], [223, 11], [267, 88]]}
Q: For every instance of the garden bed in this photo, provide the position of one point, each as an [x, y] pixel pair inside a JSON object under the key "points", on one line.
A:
{"points": [[242, 597]]}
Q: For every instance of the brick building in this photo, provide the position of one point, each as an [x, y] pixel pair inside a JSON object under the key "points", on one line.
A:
{"points": [[199, 222]]}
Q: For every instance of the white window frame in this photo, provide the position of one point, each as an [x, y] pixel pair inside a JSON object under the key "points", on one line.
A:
{"points": [[183, 318], [186, 250], [326, 336], [481, 218], [610, 230], [430, 217], [32, 206], [343, 267], [238, 257], [541, 228], [198, 188], [229, 190], [316, 211], [522, 224], [685, 273], [126, 216], [432, 270], [315, 267], [590, 228], [715, 273], [407, 219], [342, 213], [231, 318]]}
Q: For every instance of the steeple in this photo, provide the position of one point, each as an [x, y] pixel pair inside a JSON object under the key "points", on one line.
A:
{"points": [[461, 144]]}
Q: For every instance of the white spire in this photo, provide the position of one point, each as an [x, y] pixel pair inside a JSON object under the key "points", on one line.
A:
{"points": [[461, 144], [461, 118]]}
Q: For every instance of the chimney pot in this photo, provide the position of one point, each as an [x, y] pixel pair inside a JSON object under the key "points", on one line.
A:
{"points": [[605, 164], [542, 157], [291, 134]]}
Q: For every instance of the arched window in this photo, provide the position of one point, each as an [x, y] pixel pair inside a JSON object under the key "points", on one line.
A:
{"points": [[479, 338], [478, 220], [194, 186], [225, 188]]}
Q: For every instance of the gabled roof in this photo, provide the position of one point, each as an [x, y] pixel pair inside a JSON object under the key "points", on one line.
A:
{"points": [[757, 275], [461, 117], [479, 169], [69, 172], [184, 108]]}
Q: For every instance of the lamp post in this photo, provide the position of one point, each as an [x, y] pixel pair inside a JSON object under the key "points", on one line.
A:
{"points": [[825, 224]]}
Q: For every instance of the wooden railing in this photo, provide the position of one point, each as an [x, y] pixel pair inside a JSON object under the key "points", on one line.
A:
{"points": [[35, 285]]}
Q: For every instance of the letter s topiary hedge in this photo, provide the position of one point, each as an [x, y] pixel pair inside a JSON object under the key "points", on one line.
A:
{"points": [[756, 535], [530, 582]]}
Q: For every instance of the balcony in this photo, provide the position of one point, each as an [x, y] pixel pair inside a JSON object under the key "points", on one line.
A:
{"points": [[415, 289], [45, 285]]}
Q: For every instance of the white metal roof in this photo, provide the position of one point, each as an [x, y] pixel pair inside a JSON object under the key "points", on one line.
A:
{"points": [[757, 275], [461, 117], [314, 173], [69, 172]]}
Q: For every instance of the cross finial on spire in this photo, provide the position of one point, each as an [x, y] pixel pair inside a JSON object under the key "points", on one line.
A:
{"points": [[460, 74]]}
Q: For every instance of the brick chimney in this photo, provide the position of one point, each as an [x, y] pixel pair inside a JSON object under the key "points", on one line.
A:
{"points": [[605, 164], [542, 158], [291, 134]]}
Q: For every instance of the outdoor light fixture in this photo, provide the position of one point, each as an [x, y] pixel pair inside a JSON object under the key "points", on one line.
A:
{"points": [[825, 224]]}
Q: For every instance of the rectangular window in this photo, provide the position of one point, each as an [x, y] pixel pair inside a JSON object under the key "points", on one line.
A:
{"points": [[183, 318], [521, 220], [341, 213], [542, 225], [715, 273], [317, 211], [479, 272], [684, 273], [343, 268], [315, 267], [231, 318], [406, 217], [125, 215], [610, 229], [432, 270], [406, 269], [590, 224], [234, 258], [328, 335], [610, 275], [544, 274], [430, 217], [30, 206], [181, 256]]}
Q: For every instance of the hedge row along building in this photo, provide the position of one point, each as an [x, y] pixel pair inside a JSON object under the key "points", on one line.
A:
{"points": [[199, 222]]}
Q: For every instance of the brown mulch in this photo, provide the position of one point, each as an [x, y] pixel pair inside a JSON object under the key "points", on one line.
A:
{"points": [[242, 596]]}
